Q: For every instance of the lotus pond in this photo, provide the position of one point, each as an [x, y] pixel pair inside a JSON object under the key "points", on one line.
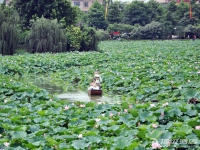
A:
{"points": [[140, 72]]}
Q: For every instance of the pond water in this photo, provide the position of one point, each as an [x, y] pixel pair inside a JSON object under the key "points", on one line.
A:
{"points": [[84, 97], [72, 94]]}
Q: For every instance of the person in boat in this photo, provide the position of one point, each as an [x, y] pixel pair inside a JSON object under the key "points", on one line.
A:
{"points": [[93, 85], [97, 76]]}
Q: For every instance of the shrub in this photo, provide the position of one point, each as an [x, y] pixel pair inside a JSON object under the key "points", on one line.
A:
{"points": [[150, 31], [120, 27], [102, 35], [81, 38]]}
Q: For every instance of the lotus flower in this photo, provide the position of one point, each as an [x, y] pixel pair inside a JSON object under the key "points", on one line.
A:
{"points": [[110, 114], [162, 114], [97, 120], [80, 136], [156, 145], [197, 127], [5, 101], [66, 108], [154, 125], [99, 103], [189, 81], [152, 105], [130, 106], [82, 106], [0, 135], [6, 144], [165, 104], [125, 110]]}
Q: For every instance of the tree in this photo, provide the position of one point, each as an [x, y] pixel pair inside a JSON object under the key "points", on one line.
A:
{"points": [[170, 20], [114, 13], [46, 36], [50, 9], [196, 12], [8, 31], [96, 16], [182, 10], [137, 13], [157, 10]]}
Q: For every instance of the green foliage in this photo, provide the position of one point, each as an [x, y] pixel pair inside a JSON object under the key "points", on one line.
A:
{"points": [[157, 10], [81, 38], [22, 36], [96, 16], [46, 36], [114, 13], [61, 10], [120, 27], [8, 31], [74, 36], [102, 35], [137, 13], [150, 31], [32, 118]]}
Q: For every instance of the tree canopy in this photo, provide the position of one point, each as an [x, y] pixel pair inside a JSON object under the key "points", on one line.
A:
{"points": [[96, 16], [114, 13], [61, 10]]}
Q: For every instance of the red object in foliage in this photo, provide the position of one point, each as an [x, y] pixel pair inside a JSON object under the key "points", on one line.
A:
{"points": [[115, 33]]}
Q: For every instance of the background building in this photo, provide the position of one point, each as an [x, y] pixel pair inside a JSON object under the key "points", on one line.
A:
{"points": [[84, 5]]}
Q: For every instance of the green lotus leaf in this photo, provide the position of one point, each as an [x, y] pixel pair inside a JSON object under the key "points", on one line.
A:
{"points": [[91, 133], [177, 124], [197, 132], [30, 93], [93, 139], [16, 148], [40, 132], [9, 92], [125, 105], [131, 123], [34, 128], [125, 119], [192, 112], [155, 134], [51, 141], [141, 134], [47, 148], [18, 134], [5, 110], [39, 119], [54, 111], [122, 142], [143, 115], [2, 97], [140, 148], [42, 112], [194, 122], [64, 146], [133, 112], [166, 135], [80, 144], [152, 118], [185, 128]]}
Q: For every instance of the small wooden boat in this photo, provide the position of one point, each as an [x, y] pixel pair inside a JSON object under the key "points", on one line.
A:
{"points": [[95, 92]]}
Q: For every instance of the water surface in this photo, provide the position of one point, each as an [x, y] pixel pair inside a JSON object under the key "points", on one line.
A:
{"points": [[72, 93]]}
